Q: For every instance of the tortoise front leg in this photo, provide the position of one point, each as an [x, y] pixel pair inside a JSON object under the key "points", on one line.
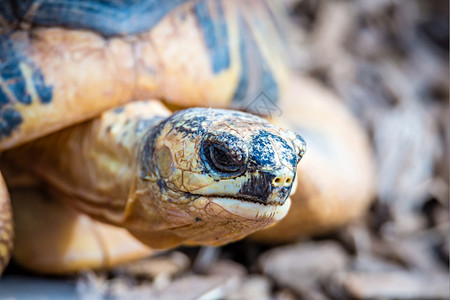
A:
{"points": [[6, 226], [51, 237]]}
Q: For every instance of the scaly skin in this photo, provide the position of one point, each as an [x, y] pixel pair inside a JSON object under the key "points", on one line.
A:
{"points": [[6, 226], [166, 179]]}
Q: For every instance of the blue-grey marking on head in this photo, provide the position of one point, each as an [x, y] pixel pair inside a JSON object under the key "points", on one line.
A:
{"points": [[109, 18], [263, 152], [192, 127], [214, 28]]}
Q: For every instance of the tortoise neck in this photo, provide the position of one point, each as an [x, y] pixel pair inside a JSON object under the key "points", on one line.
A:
{"points": [[95, 163]]}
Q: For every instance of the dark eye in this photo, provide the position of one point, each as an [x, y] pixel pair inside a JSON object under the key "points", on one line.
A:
{"points": [[222, 159], [224, 154]]}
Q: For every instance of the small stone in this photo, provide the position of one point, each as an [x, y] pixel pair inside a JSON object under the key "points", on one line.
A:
{"points": [[300, 267], [253, 287], [207, 256], [228, 268], [187, 287], [417, 252], [356, 236], [394, 285], [120, 284], [165, 265], [371, 263]]}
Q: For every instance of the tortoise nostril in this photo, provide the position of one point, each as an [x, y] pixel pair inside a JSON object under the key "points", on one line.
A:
{"points": [[277, 181], [282, 180]]}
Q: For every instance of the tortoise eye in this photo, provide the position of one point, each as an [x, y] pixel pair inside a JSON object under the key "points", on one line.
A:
{"points": [[224, 154], [222, 160]]}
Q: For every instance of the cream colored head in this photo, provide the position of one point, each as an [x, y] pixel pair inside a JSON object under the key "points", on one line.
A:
{"points": [[210, 176]]}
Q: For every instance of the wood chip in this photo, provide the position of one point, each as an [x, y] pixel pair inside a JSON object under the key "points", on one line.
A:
{"points": [[302, 266], [394, 285]]}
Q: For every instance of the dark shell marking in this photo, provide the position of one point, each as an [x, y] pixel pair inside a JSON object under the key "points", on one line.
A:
{"points": [[110, 18], [214, 29], [253, 64], [16, 86]]}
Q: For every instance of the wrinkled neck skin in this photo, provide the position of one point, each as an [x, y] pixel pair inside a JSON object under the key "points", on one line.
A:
{"points": [[92, 165]]}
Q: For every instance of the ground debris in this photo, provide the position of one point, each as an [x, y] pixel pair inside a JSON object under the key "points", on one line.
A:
{"points": [[93, 286], [393, 285], [227, 267], [187, 287], [252, 287], [165, 265], [303, 266]]}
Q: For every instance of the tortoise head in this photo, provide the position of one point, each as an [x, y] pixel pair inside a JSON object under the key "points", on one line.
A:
{"points": [[211, 176]]}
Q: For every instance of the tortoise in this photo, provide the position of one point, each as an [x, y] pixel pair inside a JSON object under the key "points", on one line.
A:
{"points": [[75, 79]]}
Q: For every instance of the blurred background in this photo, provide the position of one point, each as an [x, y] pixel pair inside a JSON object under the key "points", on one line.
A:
{"points": [[388, 62]]}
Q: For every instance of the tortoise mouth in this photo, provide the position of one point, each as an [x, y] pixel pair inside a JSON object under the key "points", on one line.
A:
{"points": [[237, 197], [240, 197], [259, 214], [253, 211]]}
